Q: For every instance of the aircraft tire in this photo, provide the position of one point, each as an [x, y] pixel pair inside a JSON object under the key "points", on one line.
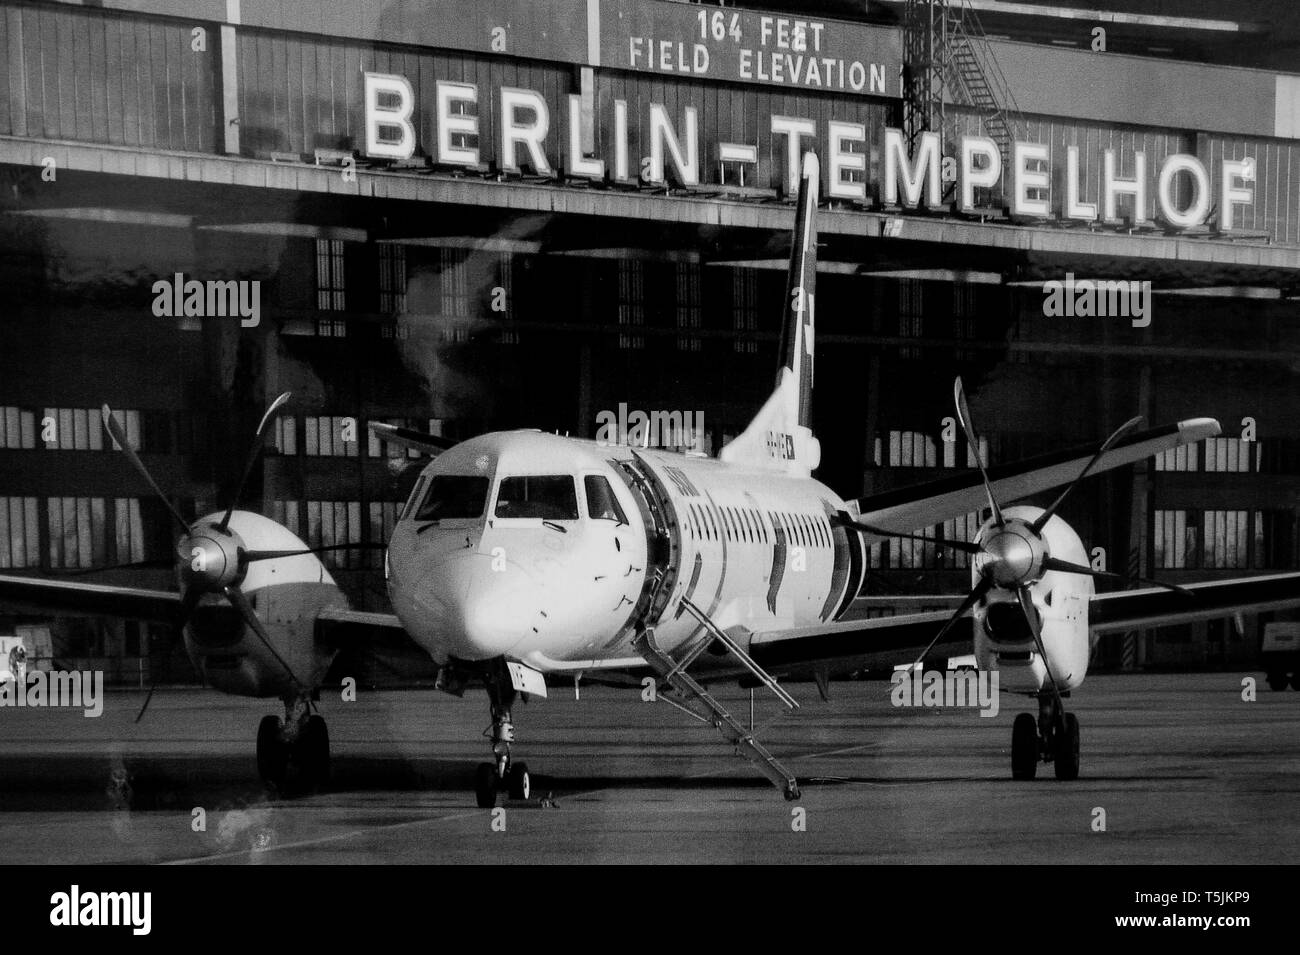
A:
{"points": [[272, 754], [314, 751], [1276, 681], [1067, 749], [518, 783], [1024, 747], [485, 786]]}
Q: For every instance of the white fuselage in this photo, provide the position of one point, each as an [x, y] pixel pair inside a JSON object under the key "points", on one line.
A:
{"points": [[749, 547]]}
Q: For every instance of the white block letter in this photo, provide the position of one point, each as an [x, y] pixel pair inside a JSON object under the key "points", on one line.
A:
{"points": [[450, 123], [1112, 188], [795, 129], [661, 133], [532, 134], [924, 170], [1195, 213], [983, 177], [842, 160], [385, 118]]}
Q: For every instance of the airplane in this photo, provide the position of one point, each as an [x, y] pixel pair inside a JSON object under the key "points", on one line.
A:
{"points": [[521, 556]]}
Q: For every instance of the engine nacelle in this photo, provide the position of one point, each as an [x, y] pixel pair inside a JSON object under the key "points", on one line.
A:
{"points": [[287, 593], [1003, 639]]}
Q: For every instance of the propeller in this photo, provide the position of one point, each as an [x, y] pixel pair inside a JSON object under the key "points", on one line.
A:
{"points": [[1012, 555], [963, 415], [212, 557]]}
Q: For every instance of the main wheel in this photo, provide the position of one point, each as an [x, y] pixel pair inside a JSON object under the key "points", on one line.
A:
{"points": [[1276, 681], [1295, 680], [314, 751], [1067, 749], [272, 754], [485, 786], [518, 785], [1024, 747]]}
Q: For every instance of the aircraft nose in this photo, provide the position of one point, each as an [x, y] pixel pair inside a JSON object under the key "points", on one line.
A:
{"points": [[478, 612]]}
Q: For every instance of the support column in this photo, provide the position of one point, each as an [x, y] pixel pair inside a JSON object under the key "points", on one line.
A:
{"points": [[230, 79], [1138, 563]]}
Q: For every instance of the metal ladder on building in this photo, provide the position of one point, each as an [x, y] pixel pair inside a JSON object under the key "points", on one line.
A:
{"points": [[703, 706], [976, 77], [948, 58]]}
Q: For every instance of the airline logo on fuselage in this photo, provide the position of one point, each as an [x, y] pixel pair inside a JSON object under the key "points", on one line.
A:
{"points": [[780, 445]]}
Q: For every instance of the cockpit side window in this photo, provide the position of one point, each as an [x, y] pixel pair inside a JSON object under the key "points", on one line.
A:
{"points": [[602, 505], [453, 496], [417, 494], [550, 497]]}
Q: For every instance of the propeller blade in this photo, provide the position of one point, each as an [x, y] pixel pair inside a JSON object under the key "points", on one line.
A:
{"points": [[1031, 617], [119, 435], [191, 600], [153, 685], [253, 555], [253, 453], [975, 596], [963, 415], [1064, 566], [1110, 442], [245, 608], [965, 546]]}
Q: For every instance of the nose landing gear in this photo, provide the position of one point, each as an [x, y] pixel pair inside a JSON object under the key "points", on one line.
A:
{"points": [[301, 738], [1053, 739], [502, 774]]}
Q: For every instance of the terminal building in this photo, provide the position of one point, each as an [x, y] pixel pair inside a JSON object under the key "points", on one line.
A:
{"points": [[470, 216]]}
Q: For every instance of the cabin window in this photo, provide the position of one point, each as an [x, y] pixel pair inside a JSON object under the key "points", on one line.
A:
{"points": [[454, 496], [602, 505], [548, 497]]}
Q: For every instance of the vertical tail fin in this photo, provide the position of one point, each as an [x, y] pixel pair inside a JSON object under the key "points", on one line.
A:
{"points": [[780, 436]]}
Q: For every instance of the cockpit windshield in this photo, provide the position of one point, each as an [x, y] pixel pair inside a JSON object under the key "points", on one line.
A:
{"points": [[453, 496], [550, 497]]}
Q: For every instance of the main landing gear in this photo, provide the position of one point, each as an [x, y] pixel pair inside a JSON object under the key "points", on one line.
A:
{"points": [[300, 738], [502, 774], [1054, 739]]}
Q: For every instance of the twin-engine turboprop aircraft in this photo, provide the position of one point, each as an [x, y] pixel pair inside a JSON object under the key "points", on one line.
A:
{"points": [[521, 555]]}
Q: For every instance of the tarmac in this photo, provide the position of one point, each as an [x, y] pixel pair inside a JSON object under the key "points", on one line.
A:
{"points": [[1176, 768]]}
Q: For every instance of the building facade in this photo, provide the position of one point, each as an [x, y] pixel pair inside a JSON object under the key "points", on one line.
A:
{"points": [[476, 216]]}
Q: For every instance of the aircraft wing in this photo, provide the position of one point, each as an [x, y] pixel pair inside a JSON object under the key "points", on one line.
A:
{"points": [[924, 505], [345, 628], [1158, 607], [41, 595], [876, 643], [375, 649], [77, 598], [883, 642]]}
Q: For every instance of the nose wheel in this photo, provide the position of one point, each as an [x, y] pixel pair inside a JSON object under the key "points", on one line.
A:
{"points": [[1052, 738], [502, 774]]}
